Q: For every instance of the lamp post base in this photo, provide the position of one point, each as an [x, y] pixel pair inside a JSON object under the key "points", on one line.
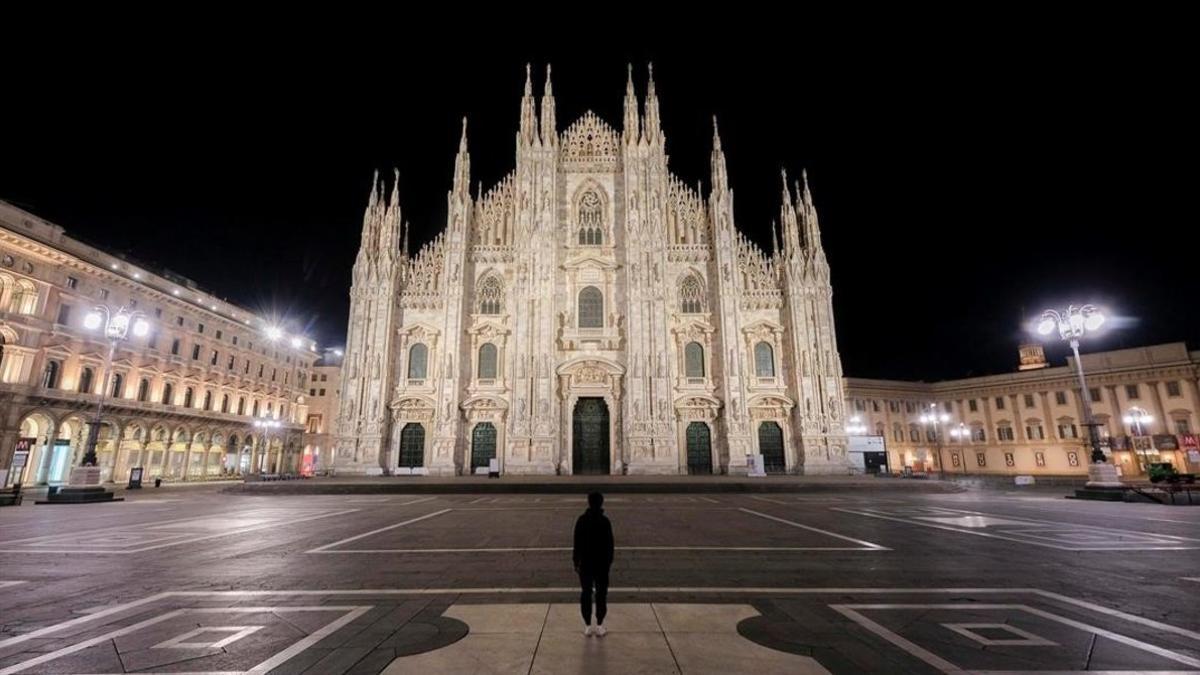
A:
{"points": [[1103, 475]]}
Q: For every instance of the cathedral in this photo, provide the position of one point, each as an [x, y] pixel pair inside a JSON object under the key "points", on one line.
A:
{"points": [[591, 313]]}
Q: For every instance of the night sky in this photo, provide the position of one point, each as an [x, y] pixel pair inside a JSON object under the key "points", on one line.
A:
{"points": [[963, 183]]}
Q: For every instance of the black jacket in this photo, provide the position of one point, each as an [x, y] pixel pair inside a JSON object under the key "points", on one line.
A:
{"points": [[593, 540]]}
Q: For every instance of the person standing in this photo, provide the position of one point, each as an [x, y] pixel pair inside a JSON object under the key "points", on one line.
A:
{"points": [[593, 555]]}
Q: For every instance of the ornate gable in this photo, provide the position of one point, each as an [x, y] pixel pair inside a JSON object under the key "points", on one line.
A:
{"points": [[590, 144]]}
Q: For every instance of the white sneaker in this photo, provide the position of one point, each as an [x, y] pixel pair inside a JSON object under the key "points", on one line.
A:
{"points": [[600, 631], [587, 631]]}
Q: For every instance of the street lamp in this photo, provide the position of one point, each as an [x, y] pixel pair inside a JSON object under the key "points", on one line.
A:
{"points": [[1137, 419], [934, 419], [117, 326], [1071, 325], [267, 425], [962, 434]]}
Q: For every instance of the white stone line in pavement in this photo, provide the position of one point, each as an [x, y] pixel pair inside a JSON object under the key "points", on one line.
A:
{"points": [[322, 549], [6, 584], [690, 590], [888, 636], [790, 549], [773, 501], [312, 639], [1196, 579], [178, 541], [1026, 540], [353, 612], [866, 544], [848, 610]]}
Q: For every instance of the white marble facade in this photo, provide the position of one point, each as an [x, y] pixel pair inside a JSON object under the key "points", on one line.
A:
{"points": [[591, 313]]}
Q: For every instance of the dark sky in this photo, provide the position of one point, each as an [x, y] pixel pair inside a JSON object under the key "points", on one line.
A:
{"points": [[964, 183]]}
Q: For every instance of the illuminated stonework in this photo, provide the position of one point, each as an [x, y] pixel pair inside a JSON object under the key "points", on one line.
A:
{"points": [[181, 399], [591, 313]]}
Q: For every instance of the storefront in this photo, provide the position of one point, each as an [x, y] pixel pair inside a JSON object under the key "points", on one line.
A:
{"points": [[1190, 452]]}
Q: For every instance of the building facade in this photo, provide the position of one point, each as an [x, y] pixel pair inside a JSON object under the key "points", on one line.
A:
{"points": [[591, 313], [1032, 421], [324, 391], [181, 401]]}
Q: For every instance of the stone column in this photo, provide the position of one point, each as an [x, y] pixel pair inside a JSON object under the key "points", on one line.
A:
{"points": [[187, 460]]}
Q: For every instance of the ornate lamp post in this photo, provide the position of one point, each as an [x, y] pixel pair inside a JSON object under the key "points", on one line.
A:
{"points": [[1071, 325], [1137, 419], [116, 326], [962, 434], [933, 420], [267, 425]]}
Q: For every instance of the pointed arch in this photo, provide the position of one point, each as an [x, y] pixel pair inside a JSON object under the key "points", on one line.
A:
{"points": [[591, 213], [489, 295], [691, 294]]}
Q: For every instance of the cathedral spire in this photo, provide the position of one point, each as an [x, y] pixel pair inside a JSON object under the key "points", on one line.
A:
{"points": [[787, 215], [528, 130], [720, 179], [462, 166], [549, 123], [632, 121], [653, 125], [808, 215], [370, 230], [389, 220]]}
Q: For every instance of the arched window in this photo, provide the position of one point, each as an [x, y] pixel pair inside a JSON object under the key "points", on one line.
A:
{"points": [[85, 381], [897, 432], [764, 360], [691, 296], [225, 403], [168, 394], [254, 409], [208, 400], [418, 358], [187, 397], [241, 405], [143, 394], [591, 219], [591, 308], [50, 377], [487, 361], [490, 296], [118, 385], [693, 360], [24, 298]]}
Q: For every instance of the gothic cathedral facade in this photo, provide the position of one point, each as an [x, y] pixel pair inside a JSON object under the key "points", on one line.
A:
{"points": [[591, 313]]}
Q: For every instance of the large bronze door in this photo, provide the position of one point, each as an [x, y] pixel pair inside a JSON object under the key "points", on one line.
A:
{"points": [[770, 444], [699, 449], [412, 445], [590, 436], [483, 445]]}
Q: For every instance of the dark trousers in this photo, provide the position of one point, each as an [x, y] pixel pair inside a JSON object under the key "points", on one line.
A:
{"points": [[597, 577]]}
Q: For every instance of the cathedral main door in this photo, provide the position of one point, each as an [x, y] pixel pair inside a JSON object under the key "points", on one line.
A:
{"points": [[699, 449], [590, 436], [770, 444], [483, 445]]}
